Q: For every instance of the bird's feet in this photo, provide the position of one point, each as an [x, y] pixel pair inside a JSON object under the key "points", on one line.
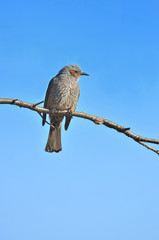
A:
{"points": [[53, 110], [70, 111]]}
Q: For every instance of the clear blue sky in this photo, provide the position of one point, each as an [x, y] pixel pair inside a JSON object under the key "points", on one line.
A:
{"points": [[102, 185]]}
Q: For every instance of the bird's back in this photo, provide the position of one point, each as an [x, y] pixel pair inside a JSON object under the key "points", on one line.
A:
{"points": [[63, 92]]}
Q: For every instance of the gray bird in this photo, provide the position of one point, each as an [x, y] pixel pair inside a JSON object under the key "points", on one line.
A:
{"points": [[62, 94]]}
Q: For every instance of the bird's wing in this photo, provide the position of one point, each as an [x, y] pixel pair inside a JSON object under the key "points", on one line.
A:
{"points": [[46, 99], [68, 118]]}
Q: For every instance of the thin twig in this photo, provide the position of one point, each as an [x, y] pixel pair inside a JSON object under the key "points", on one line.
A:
{"points": [[148, 147], [36, 104], [46, 121]]}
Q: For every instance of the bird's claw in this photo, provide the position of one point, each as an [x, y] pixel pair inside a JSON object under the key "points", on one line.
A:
{"points": [[52, 111], [70, 111]]}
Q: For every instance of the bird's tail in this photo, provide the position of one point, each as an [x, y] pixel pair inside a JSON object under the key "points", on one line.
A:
{"points": [[54, 140]]}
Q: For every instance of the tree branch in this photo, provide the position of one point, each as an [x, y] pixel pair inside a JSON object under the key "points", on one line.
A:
{"points": [[95, 119]]}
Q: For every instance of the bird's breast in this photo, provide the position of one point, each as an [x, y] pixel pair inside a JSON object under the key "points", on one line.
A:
{"points": [[64, 93]]}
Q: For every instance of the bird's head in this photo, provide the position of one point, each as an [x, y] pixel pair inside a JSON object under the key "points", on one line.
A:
{"points": [[73, 70]]}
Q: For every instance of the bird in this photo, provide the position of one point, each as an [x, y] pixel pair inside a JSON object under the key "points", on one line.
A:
{"points": [[62, 94]]}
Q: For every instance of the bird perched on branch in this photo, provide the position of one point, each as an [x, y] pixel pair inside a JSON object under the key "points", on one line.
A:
{"points": [[62, 94]]}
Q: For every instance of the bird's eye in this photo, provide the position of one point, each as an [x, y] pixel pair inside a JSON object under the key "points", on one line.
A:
{"points": [[75, 71]]}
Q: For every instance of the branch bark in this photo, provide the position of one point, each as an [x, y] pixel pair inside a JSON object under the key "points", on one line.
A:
{"points": [[97, 120]]}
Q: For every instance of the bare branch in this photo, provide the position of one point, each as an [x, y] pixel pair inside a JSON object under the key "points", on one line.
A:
{"points": [[95, 119], [148, 147]]}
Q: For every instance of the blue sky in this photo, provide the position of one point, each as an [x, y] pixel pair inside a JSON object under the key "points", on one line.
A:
{"points": [[102, 185]]}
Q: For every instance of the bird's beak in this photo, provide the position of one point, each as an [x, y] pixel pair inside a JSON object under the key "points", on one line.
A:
{"points": [[82, 73]]}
